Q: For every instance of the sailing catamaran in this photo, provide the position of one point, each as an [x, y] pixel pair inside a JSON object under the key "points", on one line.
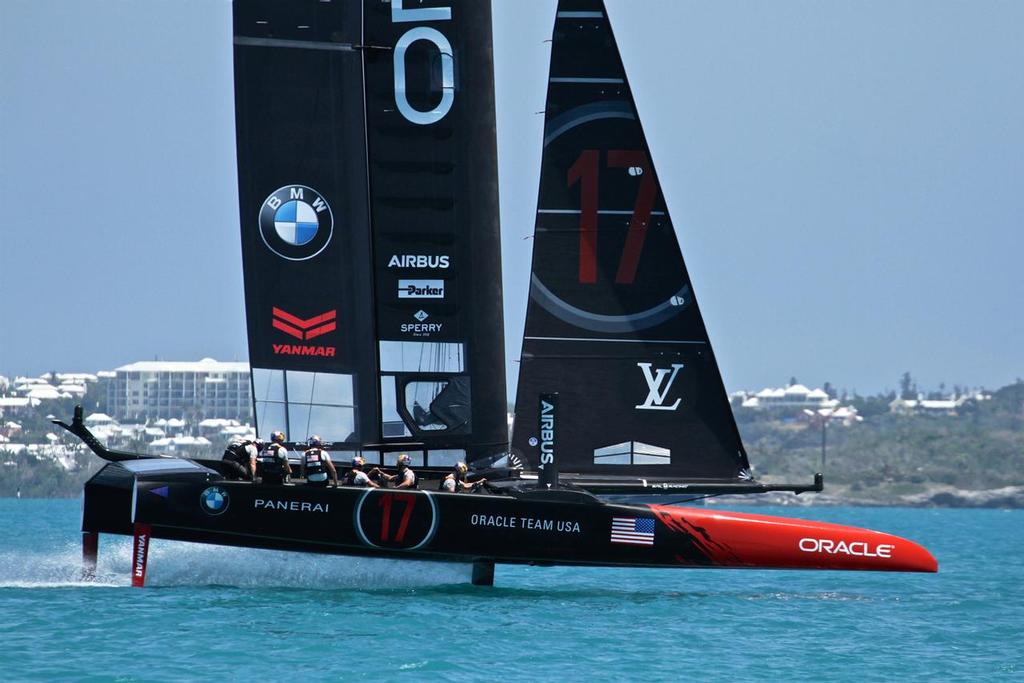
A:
{"points": [[369, 219]]}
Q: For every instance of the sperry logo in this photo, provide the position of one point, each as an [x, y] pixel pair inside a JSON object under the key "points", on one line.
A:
{"points": [[659, 383], [304, 329], [421, 328]]}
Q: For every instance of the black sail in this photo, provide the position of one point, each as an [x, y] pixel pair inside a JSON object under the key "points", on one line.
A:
{"points": [[369, 210], [304, 214], [434, 187], [612, 322]]}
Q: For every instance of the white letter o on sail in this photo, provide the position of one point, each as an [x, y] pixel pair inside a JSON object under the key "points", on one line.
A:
{"points": [[424, 118]]}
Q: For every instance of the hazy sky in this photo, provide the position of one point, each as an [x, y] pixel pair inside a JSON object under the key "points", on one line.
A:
{"points": [[846, 178]]}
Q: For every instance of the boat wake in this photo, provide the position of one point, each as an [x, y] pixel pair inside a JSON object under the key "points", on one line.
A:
{"points": [[174, 563]]}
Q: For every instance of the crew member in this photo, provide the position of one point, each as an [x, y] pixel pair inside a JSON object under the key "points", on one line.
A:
{"points": [[316, 464], [405, 478], [242, 454], [272, 464], [455, 481], [356, 476]]}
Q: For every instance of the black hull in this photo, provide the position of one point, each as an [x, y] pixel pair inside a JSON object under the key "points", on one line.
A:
{"points": [[183, 501]]}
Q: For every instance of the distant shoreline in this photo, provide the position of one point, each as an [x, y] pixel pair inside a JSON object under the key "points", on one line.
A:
{"points": [[1007, 497]]}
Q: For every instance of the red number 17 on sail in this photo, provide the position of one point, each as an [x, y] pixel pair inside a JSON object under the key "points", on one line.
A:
{"points": [[585, 171]]}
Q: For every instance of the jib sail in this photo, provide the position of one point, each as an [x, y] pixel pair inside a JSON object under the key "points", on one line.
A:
{"points": [[612, 322], [368, 194]]}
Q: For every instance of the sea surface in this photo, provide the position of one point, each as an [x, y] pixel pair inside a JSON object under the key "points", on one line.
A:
{"points": [[217, 614]]}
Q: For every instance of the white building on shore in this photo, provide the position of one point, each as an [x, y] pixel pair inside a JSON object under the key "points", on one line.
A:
{"points": [[150, 390], [950, 406], [795, 396]]}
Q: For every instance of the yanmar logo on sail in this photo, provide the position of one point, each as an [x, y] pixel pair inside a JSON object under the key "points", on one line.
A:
{"points": [[304, 329]]}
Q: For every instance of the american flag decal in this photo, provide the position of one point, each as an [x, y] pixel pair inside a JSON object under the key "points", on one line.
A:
{"points": [[633, 530]]}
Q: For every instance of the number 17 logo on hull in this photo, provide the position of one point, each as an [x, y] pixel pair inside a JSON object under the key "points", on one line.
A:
{"points": [[396, 520]]}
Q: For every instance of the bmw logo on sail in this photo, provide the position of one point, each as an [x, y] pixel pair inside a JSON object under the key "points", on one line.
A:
{"points": [[214, 500], [296, 222]]}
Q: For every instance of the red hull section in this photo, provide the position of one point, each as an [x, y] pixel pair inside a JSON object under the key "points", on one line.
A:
{"points": [[734, 539]]}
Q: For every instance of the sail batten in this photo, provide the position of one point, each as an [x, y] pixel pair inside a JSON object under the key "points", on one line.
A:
{"points": [[612, 321]]}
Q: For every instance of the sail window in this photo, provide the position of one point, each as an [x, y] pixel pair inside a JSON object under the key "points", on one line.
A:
{"points": [[403, 356], [344, 458], [304, 403], [268, 385], [270, 417], [447, 456], [437, 406], [392, 425], [632, 453]]}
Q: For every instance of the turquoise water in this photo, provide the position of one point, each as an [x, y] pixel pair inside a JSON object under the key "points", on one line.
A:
{"points": [[233, 614]]}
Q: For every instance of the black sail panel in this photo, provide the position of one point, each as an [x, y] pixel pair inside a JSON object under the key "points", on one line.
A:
{"points": [[612, 322], [434, 201], [304, 215]]}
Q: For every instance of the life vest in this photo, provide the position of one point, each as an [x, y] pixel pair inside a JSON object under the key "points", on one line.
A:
{"points": [[350, 478], [270, 463], [238, 452], [401, 478], [316, 465]]}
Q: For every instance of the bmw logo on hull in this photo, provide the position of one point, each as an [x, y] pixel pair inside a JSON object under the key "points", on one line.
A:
{"points": [[214, 500], [296, 222]]}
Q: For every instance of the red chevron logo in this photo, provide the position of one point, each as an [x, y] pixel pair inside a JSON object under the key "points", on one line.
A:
{"points": [[309, 328]]}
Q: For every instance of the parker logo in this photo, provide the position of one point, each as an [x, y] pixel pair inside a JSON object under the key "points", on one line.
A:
{"points": [[304, 329], [659, 382], [307, 329], [421, 289]]}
